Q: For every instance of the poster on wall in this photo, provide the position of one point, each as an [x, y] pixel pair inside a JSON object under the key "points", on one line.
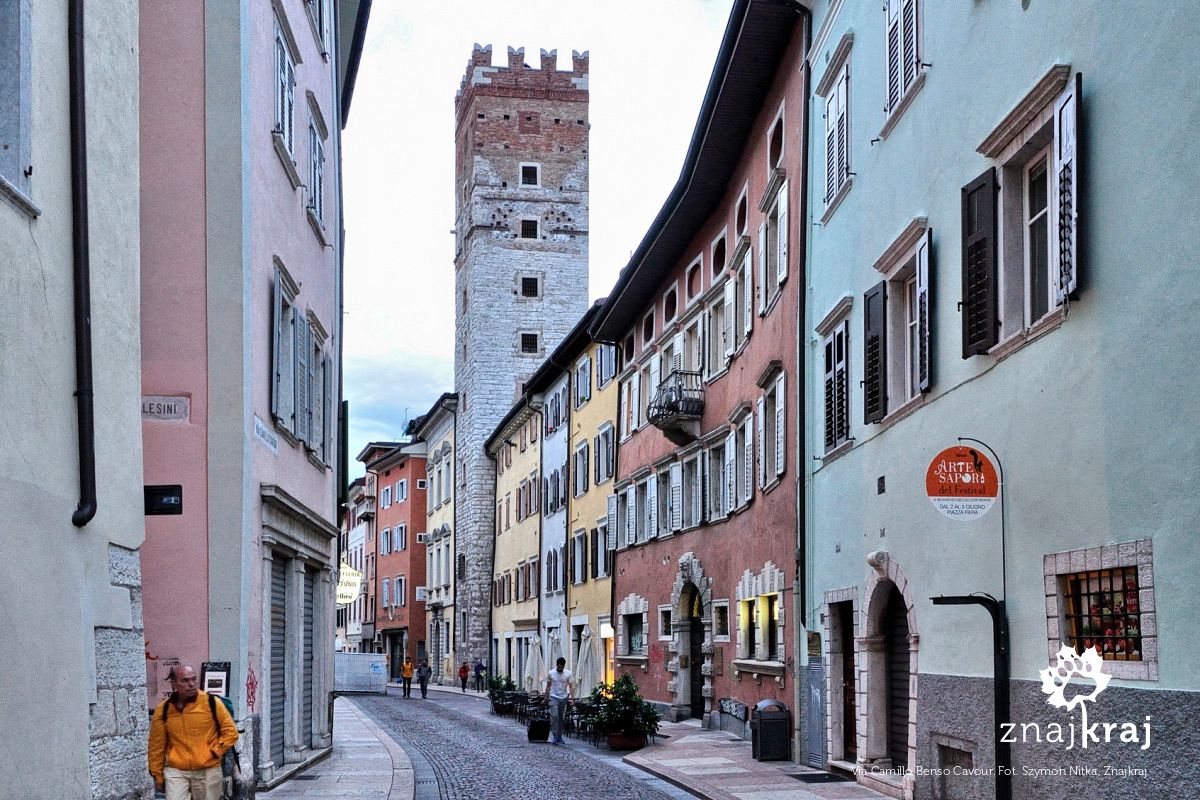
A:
{"points": [[214, 677], [962, 483]]}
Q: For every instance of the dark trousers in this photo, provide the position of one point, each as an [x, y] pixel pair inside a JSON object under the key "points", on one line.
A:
{"points": [[479, 682], [407, 686], [424, 688], [464, 683]]}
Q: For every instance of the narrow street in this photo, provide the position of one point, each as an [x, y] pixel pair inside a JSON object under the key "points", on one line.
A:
{"points": [[460, 751]]}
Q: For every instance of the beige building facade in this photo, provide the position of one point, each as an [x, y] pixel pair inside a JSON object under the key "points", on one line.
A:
{"points": [[437, 429]]}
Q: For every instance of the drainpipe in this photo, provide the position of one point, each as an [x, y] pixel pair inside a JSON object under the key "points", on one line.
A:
{"points": [[82, 270]]}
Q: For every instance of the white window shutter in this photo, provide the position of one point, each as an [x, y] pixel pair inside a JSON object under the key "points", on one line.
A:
{"points": [[746, 277], [276, 342], [893, 56], [759, 434], [924, 339], [730, 471], [747, 475], [780, 425], [781, 267], [730, 299], [676, 496], [655, 376], [702, 504], [630, 516], [652, 508], [677, 353], [761, 282], [1066, 184], [611, 532], [301, 382], [635, 408]]}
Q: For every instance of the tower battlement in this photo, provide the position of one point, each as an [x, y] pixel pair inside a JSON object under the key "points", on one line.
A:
{"points": [[518, 79]]}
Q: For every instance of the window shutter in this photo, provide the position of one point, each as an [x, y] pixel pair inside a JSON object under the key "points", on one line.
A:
{"points": [[781, 267], [587, 379], [924, 314], [301, 381], [760, 433], [290, 116], [730, 298], [652, 508], [1066, 179], [596, 458], [892, 63], [610, 533], [316, 414], [843, 144], [327, 411], [760, 288], [676, 496], [747, 293], [831, 159], [830, 394], [635, 384], [780, 425], [630, 516], [276, 341], [702, 501], [677, 353], [842, 387], [571, 546], [908, 29], [747, 475], [980, 321], [730, 471], [874, 353], [655, 376]]}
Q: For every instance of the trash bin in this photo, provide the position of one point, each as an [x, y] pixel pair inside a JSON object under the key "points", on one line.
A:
{"points": [[771, 731]]}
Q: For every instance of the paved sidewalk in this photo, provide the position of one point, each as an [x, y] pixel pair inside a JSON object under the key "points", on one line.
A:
{"points": [[365, 764], [719, 766]]}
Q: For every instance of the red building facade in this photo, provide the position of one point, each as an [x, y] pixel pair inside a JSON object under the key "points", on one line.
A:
{"points": [[705, 318], [399, 471]]}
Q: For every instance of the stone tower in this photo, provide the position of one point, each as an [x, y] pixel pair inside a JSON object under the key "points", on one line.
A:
{"points": [[521, 275]]}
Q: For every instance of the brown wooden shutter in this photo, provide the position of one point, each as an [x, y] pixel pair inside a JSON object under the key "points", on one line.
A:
{"points": [[1067, 137], [980, 320], [924, 313], [875, 353]]}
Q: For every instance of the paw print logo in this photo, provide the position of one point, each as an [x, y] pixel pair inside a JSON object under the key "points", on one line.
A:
{"points": [[1071, 665]]}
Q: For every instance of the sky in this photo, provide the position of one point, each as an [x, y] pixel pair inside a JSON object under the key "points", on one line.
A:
{"points": [[650, 62]]}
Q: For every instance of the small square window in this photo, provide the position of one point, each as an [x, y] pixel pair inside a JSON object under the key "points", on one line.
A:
{"points": [[530, 287], [721, 621], [529, 175], [664, 622], [1103, 611], [529, 343], [529, 229]]}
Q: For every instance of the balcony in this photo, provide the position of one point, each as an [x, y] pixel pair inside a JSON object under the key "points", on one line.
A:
{"points": [[677, 405], [366, 508]]}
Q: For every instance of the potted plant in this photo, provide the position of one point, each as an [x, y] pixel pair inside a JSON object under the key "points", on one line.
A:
{"points": [[500, 688], [623, 714]]}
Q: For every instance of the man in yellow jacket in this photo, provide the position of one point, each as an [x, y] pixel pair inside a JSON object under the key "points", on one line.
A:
{"points": [[188, 735]]}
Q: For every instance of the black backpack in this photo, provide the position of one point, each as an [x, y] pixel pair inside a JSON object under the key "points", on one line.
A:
{"points": [[212, 708]]}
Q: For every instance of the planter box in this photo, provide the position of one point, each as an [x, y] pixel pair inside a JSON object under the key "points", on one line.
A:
{"points": [[624, 741]]}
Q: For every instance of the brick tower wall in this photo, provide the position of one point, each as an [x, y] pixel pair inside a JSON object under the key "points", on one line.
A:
{"points": [[508, 116]]}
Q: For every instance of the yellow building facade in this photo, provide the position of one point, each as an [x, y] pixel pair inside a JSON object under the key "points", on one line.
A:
{"points": [[591, 511], [515, 447]]}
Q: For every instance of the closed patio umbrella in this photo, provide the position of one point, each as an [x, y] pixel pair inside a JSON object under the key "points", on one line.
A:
{"points": [[535, 668], [556, 651], [585, 670]]}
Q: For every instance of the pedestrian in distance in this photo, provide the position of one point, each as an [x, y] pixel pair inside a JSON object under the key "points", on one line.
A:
{"points": [[423, 674], [189, 734], [559, 686], [406, 676], [479, 672], [464, 672]]}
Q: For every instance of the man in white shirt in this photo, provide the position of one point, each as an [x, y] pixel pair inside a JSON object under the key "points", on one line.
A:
{"points": [[559, 685]]}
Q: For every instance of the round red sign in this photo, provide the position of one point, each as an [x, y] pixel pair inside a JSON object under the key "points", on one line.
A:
{"points": [[962, 483]]}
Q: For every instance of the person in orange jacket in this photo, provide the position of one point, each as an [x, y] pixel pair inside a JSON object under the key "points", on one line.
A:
{"points": [[189, 733], [406, 676]]}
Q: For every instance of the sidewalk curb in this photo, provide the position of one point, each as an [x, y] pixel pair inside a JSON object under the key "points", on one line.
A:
{"points": [[403, 778], [673, 778]]}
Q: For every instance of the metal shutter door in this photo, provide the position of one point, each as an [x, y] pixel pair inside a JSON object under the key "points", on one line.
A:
{"points": [[278, 624], [310, 582]]}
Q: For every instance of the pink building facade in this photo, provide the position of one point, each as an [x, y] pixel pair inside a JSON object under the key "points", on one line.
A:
{"points": [[242, 107]]}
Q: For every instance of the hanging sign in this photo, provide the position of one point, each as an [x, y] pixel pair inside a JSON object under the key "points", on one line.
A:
{"points": [[349, 584], [962, 483]]}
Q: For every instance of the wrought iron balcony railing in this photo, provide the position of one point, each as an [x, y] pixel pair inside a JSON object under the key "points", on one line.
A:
{"points": [[678, 401]]}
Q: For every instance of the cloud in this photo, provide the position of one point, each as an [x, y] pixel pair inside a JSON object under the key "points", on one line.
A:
{"points": [[386, 391]]}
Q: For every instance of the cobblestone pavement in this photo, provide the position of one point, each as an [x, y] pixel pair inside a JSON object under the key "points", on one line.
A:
{"points": [[460, 751]]}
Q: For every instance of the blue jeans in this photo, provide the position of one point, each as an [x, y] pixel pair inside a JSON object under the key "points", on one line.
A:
{"points": [[558, 713]]}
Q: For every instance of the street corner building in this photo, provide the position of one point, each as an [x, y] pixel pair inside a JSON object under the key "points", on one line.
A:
{"points": [[521, 278], [74, 699], [704, 321], [986, 288], [242, 108]]}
